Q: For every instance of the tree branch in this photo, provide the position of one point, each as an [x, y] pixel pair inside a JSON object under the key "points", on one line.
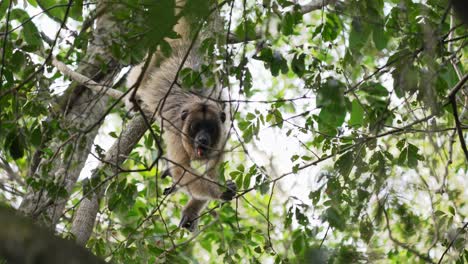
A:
{"points": [[307, 8], [451, 242], [457, 87], [85, 216], [459, 126], [21, 241], [399, 243], [83, 80], [315, 5], [12, 175]]}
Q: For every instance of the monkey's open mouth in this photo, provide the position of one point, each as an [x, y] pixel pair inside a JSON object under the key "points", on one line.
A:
{"points": [[201, 151]]}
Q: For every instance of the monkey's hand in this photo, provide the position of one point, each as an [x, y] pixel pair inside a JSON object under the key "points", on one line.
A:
{"points": [[230, 192], [131, 104]]}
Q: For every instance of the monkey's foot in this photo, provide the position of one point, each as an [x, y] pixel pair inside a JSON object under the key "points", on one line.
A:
{"points": [[189, 222], [230, 192]]}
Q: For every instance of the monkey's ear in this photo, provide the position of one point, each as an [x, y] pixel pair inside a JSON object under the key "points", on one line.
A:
{"points": [[223, 117], [184, 114]]}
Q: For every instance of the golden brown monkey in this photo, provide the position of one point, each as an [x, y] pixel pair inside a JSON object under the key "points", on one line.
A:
{"points": [[193, 122]]}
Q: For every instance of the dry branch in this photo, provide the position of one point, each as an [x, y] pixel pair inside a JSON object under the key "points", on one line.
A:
{"points": [[81, 79]]}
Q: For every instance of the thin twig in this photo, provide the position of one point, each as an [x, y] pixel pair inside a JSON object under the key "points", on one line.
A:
{"points": [[451, 242]]}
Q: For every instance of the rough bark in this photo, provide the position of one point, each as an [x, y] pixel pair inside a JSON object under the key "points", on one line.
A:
{"points": [[85, 216], [83, 109], [21, 241]]}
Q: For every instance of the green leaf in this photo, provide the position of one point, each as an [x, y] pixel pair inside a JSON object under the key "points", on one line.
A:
{"points": [[359, 35], [239, 179], [379, 37], [36, 137], [332, 27], [357, 114], [76, 10], [53, 9], [290, 20], [298, 64], [273, 60], [30, 32], [345, 163], [405, 79], [301, 218], [32, 2], [250, 116], [3, 7], [334, 218], [278, 64], [409, 156], [246, 30], [374, 89], [287, 24], [330, 97], [366, 230], [246, 182], [18, 59], [197, 10], [14, 142], [299, 244]]}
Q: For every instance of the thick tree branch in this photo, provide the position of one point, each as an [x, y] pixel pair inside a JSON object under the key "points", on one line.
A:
{"points": [[85, 216], [315, 5], [21, 241], [451, 99], [83, 80], [457, 87]]}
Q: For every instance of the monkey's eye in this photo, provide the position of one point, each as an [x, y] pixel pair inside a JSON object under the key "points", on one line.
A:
{"points": [[223, 117], [184, 115]]}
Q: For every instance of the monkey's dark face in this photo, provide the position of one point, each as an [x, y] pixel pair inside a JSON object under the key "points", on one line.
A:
{"points": [[202, 129], [204, 134]]}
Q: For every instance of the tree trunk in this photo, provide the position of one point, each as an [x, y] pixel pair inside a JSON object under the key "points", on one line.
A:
{"points": [[84, 110]]}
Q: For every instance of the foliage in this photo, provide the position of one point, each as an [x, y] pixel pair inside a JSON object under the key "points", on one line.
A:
{"points": [[367, 165]]}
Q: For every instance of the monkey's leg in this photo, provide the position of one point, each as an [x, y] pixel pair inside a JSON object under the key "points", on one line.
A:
{"points": [[191, 213]]}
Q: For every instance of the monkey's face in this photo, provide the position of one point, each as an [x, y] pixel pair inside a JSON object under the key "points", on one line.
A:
{"points": [[202, 129]]}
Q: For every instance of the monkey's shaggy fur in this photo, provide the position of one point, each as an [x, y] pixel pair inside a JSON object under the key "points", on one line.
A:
{"points": [[193, 122]]}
